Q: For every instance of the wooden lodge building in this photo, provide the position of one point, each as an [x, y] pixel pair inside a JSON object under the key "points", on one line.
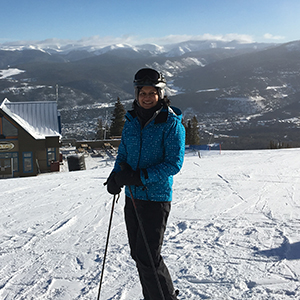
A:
{"points": [[29, 138]]}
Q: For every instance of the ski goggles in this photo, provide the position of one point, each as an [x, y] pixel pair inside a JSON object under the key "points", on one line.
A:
{"points": [[147, 75]]}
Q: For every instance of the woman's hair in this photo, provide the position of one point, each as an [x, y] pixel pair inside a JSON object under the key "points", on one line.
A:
{"points": [[166, 101]]}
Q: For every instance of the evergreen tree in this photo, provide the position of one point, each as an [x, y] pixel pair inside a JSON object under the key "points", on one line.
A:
{"points": [[188, 129], [195, 139], [99, 130], [117, 121], [191, 131]]}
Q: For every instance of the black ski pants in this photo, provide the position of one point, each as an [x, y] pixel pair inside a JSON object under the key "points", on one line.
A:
{"points": [[153, 216]]}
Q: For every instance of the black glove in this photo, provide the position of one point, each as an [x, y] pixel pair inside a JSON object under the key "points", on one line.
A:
{"points": [[112, 187], [127, 176]]}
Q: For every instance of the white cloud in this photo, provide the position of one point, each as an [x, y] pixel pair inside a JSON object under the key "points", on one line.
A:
{"points": [[270, 36], [170, 39], [99, 41]]}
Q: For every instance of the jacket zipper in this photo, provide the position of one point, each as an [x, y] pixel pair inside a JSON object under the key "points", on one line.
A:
{"points": [[141, 133]]}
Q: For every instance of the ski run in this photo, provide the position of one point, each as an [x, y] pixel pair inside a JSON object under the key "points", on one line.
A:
{"points": [[233, 231]]}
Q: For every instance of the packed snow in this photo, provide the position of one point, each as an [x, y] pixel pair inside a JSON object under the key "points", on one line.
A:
{"points": [[233, 232]]}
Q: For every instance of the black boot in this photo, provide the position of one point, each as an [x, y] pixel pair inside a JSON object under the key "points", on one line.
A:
{"points": [[175, 294]]}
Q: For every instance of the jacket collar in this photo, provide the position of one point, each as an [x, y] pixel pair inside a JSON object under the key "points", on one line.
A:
{"points": [[160, 116]]}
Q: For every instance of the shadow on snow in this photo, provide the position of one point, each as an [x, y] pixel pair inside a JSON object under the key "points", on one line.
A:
{"points": [[285, 251]]}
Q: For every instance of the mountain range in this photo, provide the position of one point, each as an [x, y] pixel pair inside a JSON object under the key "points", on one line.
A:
{"points": [[243, 94]]}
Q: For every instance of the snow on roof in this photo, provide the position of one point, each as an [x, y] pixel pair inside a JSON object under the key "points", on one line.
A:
{"points": [[38, 118]]}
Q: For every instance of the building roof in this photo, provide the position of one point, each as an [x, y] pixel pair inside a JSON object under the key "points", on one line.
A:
{"points": [[38, 118]]}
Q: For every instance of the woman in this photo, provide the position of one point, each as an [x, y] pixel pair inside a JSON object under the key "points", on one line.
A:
{"points": [[150, 153]]}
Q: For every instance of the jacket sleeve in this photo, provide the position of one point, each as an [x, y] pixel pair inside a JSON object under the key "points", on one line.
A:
{"points": [[122, 154], [174, 147]]}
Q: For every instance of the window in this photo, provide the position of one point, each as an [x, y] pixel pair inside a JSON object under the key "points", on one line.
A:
{"points": [[27, 162], [14, 156], [7, 129], [51, 155]]}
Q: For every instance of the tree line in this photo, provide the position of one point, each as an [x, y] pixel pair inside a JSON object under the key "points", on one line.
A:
{"points": [[104, 131]]}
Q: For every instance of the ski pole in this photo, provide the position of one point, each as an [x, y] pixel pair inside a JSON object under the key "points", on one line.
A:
{"points": [[106, 246], [147, 246]]}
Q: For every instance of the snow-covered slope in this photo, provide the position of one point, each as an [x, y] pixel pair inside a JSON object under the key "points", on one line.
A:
{"points": [[233, 232]]}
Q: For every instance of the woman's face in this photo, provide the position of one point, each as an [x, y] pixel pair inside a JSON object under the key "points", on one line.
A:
{"points": [[148, 97]]}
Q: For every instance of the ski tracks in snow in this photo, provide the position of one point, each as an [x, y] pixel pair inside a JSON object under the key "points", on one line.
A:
{"points": [[233, 233], [221, 252], [54, 247]]}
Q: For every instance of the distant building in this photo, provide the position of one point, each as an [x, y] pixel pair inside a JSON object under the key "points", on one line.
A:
{"points": [[29, 138]]}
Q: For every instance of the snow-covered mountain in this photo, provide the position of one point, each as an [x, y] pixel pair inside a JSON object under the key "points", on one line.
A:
{"points": [[64, 47], [229, 85]]}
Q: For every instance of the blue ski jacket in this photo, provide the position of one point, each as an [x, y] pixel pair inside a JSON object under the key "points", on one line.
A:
{"points": [[157, 150]]}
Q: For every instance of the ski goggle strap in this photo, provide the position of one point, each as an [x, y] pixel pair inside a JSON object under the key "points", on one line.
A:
{"points": [[147, 75]]}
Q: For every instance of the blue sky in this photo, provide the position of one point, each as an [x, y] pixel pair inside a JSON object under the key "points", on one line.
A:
{"points": [[137, 22]]}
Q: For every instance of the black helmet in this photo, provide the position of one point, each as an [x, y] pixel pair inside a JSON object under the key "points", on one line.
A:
{"points": [[149, 77]]}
